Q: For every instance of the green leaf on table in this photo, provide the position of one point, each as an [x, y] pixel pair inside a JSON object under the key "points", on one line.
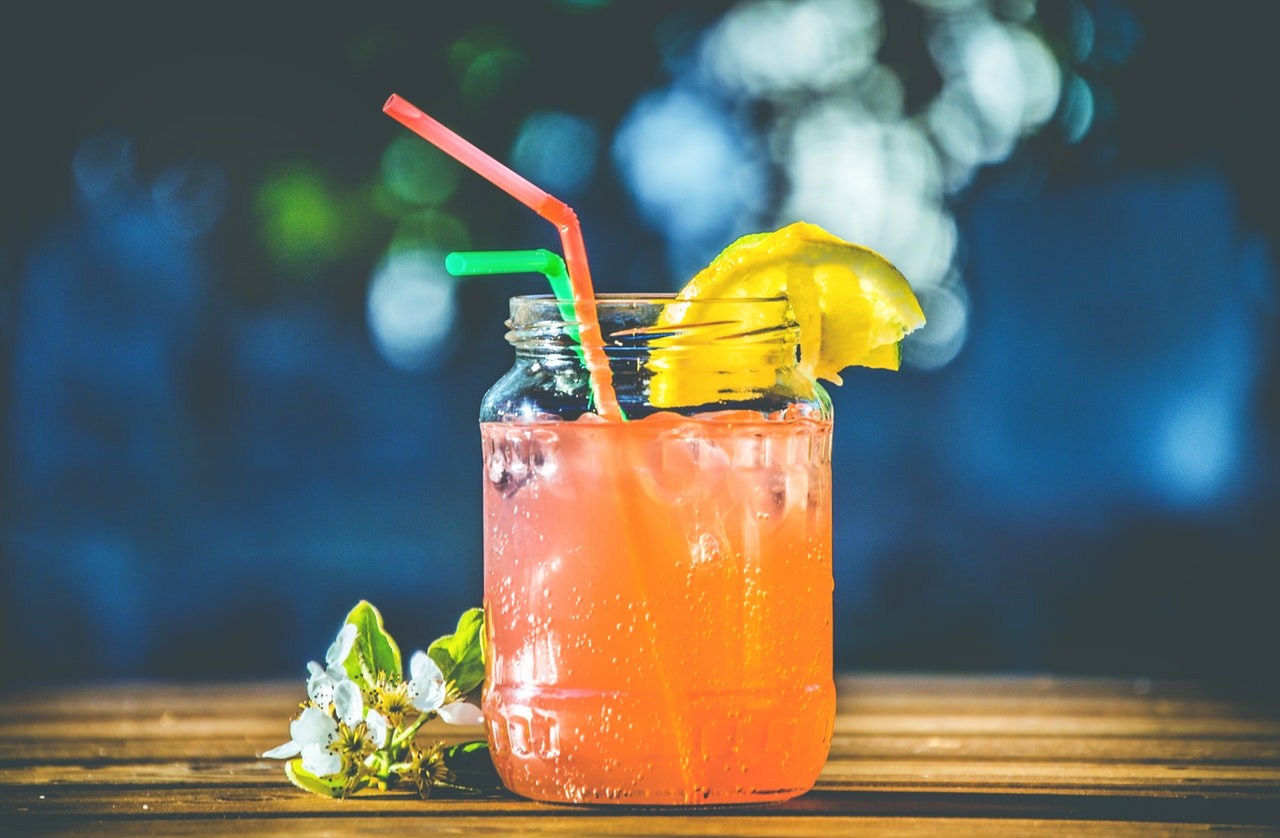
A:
{"points": [[460, 655], [471, 769], [305, 780], [373, 648]]}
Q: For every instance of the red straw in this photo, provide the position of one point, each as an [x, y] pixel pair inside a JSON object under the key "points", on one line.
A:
{"points": [[550, 208]]}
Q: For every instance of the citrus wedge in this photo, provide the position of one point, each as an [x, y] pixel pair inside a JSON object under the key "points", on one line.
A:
{"points": [[851, 304]]}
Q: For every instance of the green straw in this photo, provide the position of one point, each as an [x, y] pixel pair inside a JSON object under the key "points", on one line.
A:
{"points": [[486, 262], [550, 265]]}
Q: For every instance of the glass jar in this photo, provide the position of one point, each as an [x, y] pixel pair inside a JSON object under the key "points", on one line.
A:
{"points": [[658, 591]]}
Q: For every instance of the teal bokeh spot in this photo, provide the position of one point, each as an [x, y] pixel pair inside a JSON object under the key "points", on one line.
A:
{"points": [[417, 173]]}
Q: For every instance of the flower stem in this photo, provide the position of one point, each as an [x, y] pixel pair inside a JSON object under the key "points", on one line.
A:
{"points": [[405, 736]]}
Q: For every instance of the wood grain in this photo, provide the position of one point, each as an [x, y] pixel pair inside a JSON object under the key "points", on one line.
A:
{"points": [[911, 755]]}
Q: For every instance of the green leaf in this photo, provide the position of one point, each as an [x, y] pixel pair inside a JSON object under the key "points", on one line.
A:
{"points": [[305, 780], [460, 655], [471, 769], [373, 648]]}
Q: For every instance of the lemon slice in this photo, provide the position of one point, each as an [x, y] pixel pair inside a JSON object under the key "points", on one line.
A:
{"points": [[851, 304]]}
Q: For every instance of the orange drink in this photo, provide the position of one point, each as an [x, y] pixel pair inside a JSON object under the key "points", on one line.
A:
{"points": [[658, 590], [659, 597]]}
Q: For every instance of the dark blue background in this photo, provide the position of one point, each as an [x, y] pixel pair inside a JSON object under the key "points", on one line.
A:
{"points": [[206, 461]]}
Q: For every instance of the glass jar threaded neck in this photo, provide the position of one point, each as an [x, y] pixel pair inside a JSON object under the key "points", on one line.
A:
{"points": [[664, 354], [634, 325]]}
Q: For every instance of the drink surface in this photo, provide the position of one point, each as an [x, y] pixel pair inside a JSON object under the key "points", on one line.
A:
{"points": [[658, 607]]}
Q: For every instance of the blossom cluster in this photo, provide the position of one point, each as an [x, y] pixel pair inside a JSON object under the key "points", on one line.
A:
{"points": [[358, 726]]}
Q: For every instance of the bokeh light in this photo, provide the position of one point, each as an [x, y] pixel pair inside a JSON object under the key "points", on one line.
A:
{"points": [[485, 60], [558, 151], [411, 309], [692, 172], [416, 173], [301, 218], [1198, 447], [190, 197], [772, 48], [1077, 111], [103, 166]]}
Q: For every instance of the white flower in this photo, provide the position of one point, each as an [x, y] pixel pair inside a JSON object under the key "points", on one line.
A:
{"points": [[427, 693], [426, 683], [325, 679], [314, 733]]}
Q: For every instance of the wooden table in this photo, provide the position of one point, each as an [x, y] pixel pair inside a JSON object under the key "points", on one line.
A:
{"points": [[911, 755]]}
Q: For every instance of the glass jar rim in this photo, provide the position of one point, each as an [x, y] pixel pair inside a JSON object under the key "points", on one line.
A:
{"points": [[658, 297], [634, 321], [771, 314]]}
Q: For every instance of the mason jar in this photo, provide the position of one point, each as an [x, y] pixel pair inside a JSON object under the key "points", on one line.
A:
{"points": [[658, 585]]}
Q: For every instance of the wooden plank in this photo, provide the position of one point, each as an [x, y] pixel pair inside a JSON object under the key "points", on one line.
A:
{"points": [[267, 729], [267, 732], [157, 809], [133, 700], [1059, 748], [640, 825], [847, 776], [861, 696], [17, 758], [1041, 695], [1077, 778], [1059, 725], [977, 694]]}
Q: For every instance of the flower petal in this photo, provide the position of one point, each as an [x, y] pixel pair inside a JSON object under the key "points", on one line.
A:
{"points": [[314, 726], [426, 690], [422, 666], [377, 727], [320, 761], [288, 750], [320, 690], [461, 713], [349, 703], [341, 646]]}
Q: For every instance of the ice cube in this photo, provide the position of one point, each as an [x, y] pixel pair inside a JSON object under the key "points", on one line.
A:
{"points": [[518, 456], [682, 464], [506, 462]]}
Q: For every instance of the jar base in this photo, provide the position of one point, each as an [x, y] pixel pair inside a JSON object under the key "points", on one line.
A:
{"points": [[726, 748], [669, 804]]}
